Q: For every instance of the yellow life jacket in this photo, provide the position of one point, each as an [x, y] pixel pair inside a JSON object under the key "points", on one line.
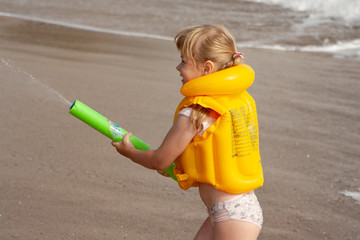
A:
{"points": [[226, 155]]}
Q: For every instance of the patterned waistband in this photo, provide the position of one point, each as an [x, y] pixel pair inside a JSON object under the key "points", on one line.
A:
{"points": [[222, 205]]}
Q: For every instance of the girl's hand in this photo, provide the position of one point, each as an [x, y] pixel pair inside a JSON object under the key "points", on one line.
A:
{"points": [[163, 173], [174, 143], [124, 146]]}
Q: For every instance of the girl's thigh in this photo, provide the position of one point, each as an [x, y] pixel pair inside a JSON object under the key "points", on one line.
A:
{"points": [[235, 230], [205, 232]]}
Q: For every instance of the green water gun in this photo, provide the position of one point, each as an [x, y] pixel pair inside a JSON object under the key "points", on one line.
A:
{"points": [[109, 129]]}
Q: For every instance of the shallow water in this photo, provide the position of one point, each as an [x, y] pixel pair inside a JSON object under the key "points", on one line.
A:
{"points": [[300, 25]]}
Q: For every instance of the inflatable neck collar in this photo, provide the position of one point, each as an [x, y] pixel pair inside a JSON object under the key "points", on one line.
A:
{"points": [[233, 80]]}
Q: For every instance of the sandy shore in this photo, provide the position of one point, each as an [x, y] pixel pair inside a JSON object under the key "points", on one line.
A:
{"points": [[62, 180]]}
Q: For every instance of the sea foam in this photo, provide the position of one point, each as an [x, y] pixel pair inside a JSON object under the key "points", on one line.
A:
{"points": [[339, 49], [349, 10], [354, 195], [85, 27]]}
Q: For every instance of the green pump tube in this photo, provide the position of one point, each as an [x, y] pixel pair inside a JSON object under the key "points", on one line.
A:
{"points": [[109, 129]]}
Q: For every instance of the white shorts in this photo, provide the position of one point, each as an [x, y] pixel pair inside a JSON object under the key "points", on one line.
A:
{"points": [[243, 207]]}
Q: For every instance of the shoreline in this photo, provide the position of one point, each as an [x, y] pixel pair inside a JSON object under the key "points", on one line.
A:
{"points": [[346, 53], [61, 179]]}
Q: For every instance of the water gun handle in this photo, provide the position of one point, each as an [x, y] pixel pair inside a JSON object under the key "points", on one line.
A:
{"points": [[108, 128]]}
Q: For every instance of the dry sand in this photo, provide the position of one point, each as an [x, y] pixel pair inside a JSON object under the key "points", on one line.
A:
{"points": [[60, 179]]}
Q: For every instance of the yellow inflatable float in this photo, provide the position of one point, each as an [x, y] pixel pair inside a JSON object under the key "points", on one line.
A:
{"points": [[227, 155]]}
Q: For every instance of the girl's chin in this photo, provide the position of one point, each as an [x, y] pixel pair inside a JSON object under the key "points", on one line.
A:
{"points": [[184, 81]]}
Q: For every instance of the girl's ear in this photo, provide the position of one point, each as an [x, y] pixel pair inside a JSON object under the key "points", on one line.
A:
{"points": [[209, 67]]}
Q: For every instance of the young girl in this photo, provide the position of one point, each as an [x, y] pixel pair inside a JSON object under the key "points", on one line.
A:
{"points": [[214, 138]]}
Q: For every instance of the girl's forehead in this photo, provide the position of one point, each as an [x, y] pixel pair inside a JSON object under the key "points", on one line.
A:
{"points": [[184, 56]]}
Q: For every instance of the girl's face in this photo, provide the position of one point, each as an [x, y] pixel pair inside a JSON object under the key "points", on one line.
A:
{"points": [[188, 70]]}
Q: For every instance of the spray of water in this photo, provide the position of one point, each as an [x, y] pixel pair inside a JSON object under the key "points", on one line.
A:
{"points": [[16, 69]]}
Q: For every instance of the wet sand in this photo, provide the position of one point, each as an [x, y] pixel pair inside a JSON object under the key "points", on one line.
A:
{"points": [[60, 179]]}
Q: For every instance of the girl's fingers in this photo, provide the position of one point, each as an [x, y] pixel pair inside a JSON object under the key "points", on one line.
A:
{"points": [[163, 173]]}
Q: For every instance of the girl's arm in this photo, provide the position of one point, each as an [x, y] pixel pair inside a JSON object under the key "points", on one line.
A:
{"points": [[174, 143]]}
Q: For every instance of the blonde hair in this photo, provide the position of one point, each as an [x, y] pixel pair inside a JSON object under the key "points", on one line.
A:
{"points": [[208, 42], [202, 43]]}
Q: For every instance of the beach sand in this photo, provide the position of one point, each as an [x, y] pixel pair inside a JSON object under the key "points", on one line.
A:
{"points": [[60, 179]]}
